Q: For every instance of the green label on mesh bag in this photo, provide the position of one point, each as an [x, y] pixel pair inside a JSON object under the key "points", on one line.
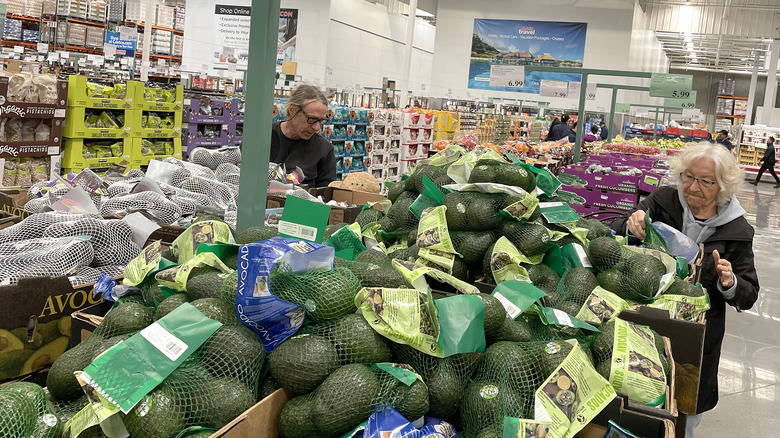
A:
{"points": [[601, 306], [129, 371], [505, 262], [147, 263], [176, 277], [545, 181], [551, 316], [517, 296], [436, 259], [415, 273], [574, 256], [105, 411], [347, 242], [461, 324], [682, 306], [572, 395], [432, 232], [448, 155], [636, 367], [522, 428], [186, 245], [403, 373], [558, 212], [524, 208], [460, 170], [405, 316]]}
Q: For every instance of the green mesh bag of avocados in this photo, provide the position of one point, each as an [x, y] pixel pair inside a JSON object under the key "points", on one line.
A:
{"points": [[433, 238], [632, 358], [460, 170], [601, 306], [325, 294], [417, 275], [351, 338], [27, 412], [645, 273], [375, 269], [506, 262], [347, 242]]}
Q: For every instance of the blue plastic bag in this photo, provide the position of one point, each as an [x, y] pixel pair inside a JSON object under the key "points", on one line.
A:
{"points": [[387, 421], [256, 306]]}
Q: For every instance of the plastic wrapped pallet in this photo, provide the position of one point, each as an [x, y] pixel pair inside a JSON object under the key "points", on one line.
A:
{"points": [[33, 8], [12, 29], [135, 10], [77, 34], [95, 36], [49, 7], [15, 7], [116, 10], [97, 10], [72, 8], [178, 45], [30, 36], [164, 16]]}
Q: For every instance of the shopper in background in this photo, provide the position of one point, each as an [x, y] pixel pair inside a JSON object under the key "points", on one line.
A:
{"points": [[296, 142], [703, 207], [553, 124], [723, 138], [769, 163], [587, 138], [562, 129], [604, 131]]}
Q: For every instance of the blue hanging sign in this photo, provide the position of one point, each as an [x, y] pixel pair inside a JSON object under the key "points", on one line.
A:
{"points": [[123, 47]]}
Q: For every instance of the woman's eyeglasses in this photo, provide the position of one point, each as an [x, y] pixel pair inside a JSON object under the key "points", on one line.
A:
{"points": [[687, 178]]}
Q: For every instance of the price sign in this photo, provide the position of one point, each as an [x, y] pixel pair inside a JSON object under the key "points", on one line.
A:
{"points": [[670, 85], [553, 88], [643, 113], [622, 107], [684, 103], [231, 68], [690, 113], [573, 90], [507, 76], [590, 92], [128, 33], [43, 48]]}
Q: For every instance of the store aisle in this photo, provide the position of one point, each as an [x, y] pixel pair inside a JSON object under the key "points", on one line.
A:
{"points": [[750, 361]]}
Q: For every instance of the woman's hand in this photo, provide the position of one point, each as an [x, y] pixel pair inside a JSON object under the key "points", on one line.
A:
{"points": [[723, 267], [636, 224]]}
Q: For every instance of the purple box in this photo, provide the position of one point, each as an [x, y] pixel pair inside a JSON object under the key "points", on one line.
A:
{"points": [[190, 138], [606, 199], [595, 212], [613, 182], [650, 181], [205, 110]]}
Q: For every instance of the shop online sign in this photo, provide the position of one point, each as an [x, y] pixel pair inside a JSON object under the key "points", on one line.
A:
{"points": [[126, 48]]}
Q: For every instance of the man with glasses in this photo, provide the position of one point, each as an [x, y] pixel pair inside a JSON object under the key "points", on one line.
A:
{"points": [[296, 142]]}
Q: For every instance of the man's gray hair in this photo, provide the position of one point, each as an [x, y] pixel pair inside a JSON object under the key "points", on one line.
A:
{"points": [[727, 172], [304, 95]]}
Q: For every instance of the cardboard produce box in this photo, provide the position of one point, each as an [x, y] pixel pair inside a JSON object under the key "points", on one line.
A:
{"points": [[345, 214], [43, 305], [12, 200], [8, 219], [84, 321]]}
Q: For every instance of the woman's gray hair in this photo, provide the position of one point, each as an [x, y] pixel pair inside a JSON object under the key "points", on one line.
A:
{"points": [[304, 95], [727, 172]]}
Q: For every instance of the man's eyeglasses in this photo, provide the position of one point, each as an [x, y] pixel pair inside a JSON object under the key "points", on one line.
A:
{"points": [[687, 178], [311, 120]]}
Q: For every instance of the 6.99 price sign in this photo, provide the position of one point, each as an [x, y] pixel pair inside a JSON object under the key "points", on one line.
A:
{"points": [[507, 76]]}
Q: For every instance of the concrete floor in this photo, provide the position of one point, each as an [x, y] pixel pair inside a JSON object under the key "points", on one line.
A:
{"points": [[749, 374]]}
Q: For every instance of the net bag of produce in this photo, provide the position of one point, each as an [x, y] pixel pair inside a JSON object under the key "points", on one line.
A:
{"points": [[35, 225], [353, 339], [43, 257], [375, 269], [325, 294], [213, 158], [399, 218], [158, 205], [111, 239], [27, 412]]}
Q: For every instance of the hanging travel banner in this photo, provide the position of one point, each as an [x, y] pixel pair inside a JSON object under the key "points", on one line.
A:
{"points": [[687, 103], [231, 34], [671, 85], [525, 43]]}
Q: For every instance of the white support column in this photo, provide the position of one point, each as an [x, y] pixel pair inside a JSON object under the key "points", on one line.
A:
{"points": [[147, 40], [752, 93], [771, 83], [405, 87]]}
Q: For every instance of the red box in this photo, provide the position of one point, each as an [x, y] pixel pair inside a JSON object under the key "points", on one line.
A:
{"points": [[673, 131]]}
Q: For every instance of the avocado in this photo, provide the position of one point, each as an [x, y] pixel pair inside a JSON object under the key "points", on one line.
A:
{"points": [[570, 307], [515, 330], [295, 420], [233, 351], [578, 283], [20, 414], [151, 292], [204, 282], [412, 401], [441, 181], [603, 341], [432, 172], [301, 363], [231, 261], [641, 279], [268, 386], [513, 175], [49, 426], [492, 431], [395, 190], [21, 333], [217, 310], [531, 239], [543, 277], [9, 341], [325, 294], [682, 287], [455, 212], [605, 368], [472, 244], [400, 217], [256, 234], [368, 216], [60, 381], [495, 314], [229, 288], [160, 414], [11, 362], [216, 402], [357, 342], [610, 280], [483, 173], [604, 253], [45, 355], [126, 318], [551, 355], [34, 392], [482, 213], [486, 265], [169, 304], [408, 194], [190, 370], [345, 399], [109, 343], [54, 329], [444, 392], [487, 402], [514, 366], [595, 228]]}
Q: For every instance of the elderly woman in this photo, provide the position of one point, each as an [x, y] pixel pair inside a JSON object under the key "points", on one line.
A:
{"points": [[702, 206]]}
